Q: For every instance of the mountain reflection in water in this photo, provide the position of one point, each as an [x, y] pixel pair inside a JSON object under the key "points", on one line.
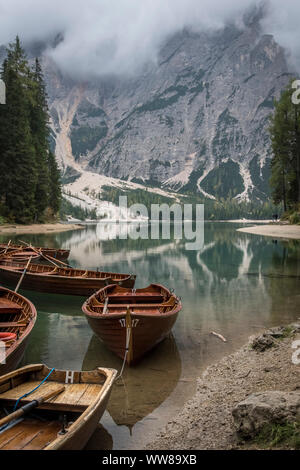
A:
{"points": [[235, 285]]}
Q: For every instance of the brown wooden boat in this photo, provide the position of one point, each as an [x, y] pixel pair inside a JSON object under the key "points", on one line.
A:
{"points": [[64, 422], [20, 255], [17, 318], [57, 253], [44, 278], [132, 321]]}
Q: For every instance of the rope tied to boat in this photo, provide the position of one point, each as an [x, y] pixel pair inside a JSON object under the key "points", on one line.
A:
{"points": [[33, 390], [128, 336]]}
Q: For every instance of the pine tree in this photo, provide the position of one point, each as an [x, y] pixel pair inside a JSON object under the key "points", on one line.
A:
{"points": [[18, 171], [285, 138], [39, 122], [29, 175]]}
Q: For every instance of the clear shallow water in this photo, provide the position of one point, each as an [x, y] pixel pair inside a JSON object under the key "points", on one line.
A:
{"points": [[237, 284]]}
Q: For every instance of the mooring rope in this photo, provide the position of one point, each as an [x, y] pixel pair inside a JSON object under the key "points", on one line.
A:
{"points": [[128, 335], [33, 390]]}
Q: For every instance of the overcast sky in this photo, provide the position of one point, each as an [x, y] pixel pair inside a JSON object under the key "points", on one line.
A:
{"points": [[119, 36]]}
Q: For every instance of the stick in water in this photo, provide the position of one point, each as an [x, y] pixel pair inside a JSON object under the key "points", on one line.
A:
{"points": [[219, 336]]}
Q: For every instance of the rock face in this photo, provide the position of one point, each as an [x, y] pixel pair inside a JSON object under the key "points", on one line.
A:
{"points": [[197, 120], [264, 408]]}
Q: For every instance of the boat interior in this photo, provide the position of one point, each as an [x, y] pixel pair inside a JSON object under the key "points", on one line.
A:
{"points": [[15, 316], [115, 299], [53, 417]]}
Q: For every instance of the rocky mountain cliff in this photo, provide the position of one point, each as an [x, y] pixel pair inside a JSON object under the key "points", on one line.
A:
{"points": [[195, 121]]}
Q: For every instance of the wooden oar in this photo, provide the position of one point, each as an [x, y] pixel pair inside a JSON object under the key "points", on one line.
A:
{"points": [[59, 261], [23, 274], [38, 252], [10, 253], [47, 257], [29, 406], [7, 247]]}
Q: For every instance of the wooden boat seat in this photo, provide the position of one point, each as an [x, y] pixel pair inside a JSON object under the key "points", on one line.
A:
{"points": [[131, 299], [76, 397], [12, 324], [136, 306], [10, 310], [8, 306]]}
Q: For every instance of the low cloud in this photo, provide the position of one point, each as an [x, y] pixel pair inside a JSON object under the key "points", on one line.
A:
{"points": [[119, 36]]}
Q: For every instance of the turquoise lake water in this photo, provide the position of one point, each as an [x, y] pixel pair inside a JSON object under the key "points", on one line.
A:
{"points": [[235, 285]]}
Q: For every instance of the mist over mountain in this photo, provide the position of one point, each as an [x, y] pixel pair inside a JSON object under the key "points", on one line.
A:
{"points": [[196, 121]]}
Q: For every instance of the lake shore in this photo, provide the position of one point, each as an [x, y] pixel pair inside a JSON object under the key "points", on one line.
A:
{"points": [[274, 230], [206, 420], [38, 228]]}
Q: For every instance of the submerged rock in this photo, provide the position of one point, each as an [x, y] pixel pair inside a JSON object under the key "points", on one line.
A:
{"points": [[259, 409]]}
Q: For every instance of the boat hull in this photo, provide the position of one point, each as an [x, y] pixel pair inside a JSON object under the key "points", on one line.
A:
{"points": [[78, 440], [59, 284], [59, 254], [14, 358], [146, 332], [26, 315]]}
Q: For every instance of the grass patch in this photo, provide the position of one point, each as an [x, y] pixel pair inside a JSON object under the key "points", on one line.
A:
{"points": [[283, 435], [288, 331]]}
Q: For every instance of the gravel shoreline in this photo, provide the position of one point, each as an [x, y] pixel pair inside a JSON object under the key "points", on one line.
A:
{"points": [[206, 420], [274, 230], [39, 228]]}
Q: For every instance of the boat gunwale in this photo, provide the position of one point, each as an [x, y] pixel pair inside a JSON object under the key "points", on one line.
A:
{"points": [[28, 328], [104, 316], [18, 269], [14, 246], [110, 375]]}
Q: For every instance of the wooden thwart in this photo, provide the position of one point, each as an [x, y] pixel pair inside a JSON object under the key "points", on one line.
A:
{"points": [[34, 403]]}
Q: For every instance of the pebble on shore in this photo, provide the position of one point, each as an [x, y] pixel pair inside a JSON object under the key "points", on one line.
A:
{"points": [[206, 421]]}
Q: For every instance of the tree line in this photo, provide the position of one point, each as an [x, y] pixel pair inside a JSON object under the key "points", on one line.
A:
{"points": [[30, 188], [285, 140]]}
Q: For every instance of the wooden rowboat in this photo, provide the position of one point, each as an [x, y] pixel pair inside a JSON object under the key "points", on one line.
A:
{"points": [[132, 321], [57, 253], [19, 255], [17, 318], [64, 422], [44, 278]]}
